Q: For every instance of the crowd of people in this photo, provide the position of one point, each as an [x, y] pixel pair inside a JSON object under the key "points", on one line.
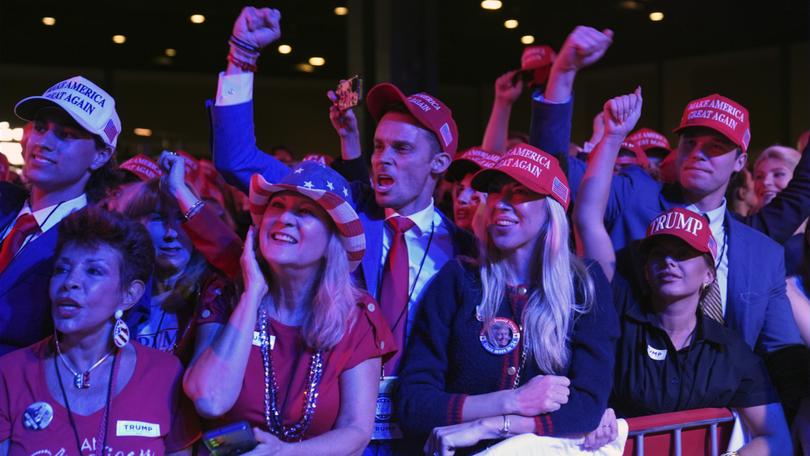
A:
{"points": [[429, 301]]}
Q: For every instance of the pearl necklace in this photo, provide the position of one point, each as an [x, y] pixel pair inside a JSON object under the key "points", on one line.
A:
{"points": [[272, 415]]}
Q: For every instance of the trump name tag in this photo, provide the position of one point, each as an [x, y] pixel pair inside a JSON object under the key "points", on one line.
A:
{"points": [[136, 429], [656, 354], [386, 426]]}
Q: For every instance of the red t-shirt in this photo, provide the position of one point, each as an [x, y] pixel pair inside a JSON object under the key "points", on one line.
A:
{"points": [[149, 416], [369, 338]]}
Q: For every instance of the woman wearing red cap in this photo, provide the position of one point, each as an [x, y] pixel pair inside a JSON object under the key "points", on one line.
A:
{"points": [[519, 342], [299, 356], [674, 352], [85, 389]]}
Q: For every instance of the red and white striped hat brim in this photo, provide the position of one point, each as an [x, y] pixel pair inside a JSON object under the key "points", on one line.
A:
{"points": [[350, 230]]}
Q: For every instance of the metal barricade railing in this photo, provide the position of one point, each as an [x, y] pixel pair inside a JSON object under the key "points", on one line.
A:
{"points": [[678, 433]]}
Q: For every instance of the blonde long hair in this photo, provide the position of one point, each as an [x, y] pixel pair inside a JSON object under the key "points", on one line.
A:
{"points": [[565, 291], [333, 309]]}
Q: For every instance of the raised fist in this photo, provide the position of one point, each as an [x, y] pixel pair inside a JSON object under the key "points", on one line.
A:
{"points": [[258, 26], [621, 113], [583, 47], [508, 88]]}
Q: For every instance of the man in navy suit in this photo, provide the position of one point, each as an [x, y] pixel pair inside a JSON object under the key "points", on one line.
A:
{"points": [[71, 144]]}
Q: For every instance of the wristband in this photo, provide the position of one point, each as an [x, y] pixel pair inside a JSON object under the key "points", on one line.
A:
{"points": [[193, 210], [241, 64]]}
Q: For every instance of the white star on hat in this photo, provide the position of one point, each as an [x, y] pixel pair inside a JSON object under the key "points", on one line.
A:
{"points": [[298, 170], [345, 192], [329, 185], [308, 184]]}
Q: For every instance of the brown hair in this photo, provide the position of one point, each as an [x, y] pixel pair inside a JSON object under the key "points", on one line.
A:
{"points": [[93, 227]]}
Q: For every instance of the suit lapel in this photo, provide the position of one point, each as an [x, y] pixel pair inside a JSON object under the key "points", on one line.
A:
{"points": [[41, 248], [736, 270], [372, 258]]}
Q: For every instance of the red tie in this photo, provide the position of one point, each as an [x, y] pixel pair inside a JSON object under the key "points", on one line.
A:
{"points": [[394, 296], [23, 227]]}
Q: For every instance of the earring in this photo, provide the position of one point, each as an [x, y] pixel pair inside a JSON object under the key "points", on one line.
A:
{"points": [[120, 330]]}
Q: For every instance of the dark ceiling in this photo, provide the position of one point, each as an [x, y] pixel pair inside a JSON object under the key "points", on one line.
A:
{"points": [[473, 43]]}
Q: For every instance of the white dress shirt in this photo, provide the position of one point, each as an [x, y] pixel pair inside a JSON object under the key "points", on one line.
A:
{"points": [[47, 217], [417, 239]]}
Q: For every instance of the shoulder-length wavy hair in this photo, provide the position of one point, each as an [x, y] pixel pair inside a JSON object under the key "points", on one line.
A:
{"points": [[561, 289], [333, 309], [147, 198]]}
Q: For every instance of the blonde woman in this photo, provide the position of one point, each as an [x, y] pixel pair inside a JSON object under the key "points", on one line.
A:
{"points": [[464, 383], [299, 356]]}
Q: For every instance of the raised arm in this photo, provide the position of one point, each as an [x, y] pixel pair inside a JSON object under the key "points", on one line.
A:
{"points": [[351, 164], [236, 155], [768, 429], [225, 348], [620, 115], [211, 236], [507, 91], [550, 128]]}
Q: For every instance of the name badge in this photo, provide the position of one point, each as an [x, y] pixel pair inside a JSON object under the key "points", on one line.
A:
{"points": [[386, 426], [257, 340], [656, 354], [136, 429]]}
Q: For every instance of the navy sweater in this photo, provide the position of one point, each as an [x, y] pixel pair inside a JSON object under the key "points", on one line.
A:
{"points": [[445, 361]]}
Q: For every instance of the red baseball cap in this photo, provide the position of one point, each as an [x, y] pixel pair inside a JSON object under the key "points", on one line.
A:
{"points": [[538, 171], [641, 157], [470, 161], [722, 115], [687, 226], [538, 59], [428, 110], [649, 139], [143, 167]]}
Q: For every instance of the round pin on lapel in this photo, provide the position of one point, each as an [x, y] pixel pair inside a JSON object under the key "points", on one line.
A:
{"points": [[500, 336], [37, 416]]}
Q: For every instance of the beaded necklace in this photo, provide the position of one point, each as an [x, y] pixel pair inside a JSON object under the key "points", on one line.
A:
{"points": [[272, 415]]}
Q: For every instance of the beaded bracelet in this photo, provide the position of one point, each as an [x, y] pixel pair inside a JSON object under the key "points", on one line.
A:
{"points": [[193, 210], [241, 64]]}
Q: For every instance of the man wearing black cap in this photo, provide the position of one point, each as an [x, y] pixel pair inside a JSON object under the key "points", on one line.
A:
{"points": [[70, 147]]}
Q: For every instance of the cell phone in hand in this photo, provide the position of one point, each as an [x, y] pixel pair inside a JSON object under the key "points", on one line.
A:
{"points": [[349, 93], [230, 440]]}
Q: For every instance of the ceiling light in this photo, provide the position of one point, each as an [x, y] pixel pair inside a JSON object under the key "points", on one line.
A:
{"points": [[12, 151], [527, 39], [142, 132], [284, 49], [49, 21], [119, 39], [171, 52], [656, 16], [317, 61], [197, 18], [341, 11], [491, 4], [305, 67], [510, 23], [630, 5]]}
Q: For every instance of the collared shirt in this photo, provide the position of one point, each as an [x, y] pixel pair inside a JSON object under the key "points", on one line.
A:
{"points": [[718, 227], [47, 217], [234, 89], [717, 369], [417, 239]]}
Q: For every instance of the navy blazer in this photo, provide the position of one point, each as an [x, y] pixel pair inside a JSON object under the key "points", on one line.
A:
{"points": [[25, 315]]}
